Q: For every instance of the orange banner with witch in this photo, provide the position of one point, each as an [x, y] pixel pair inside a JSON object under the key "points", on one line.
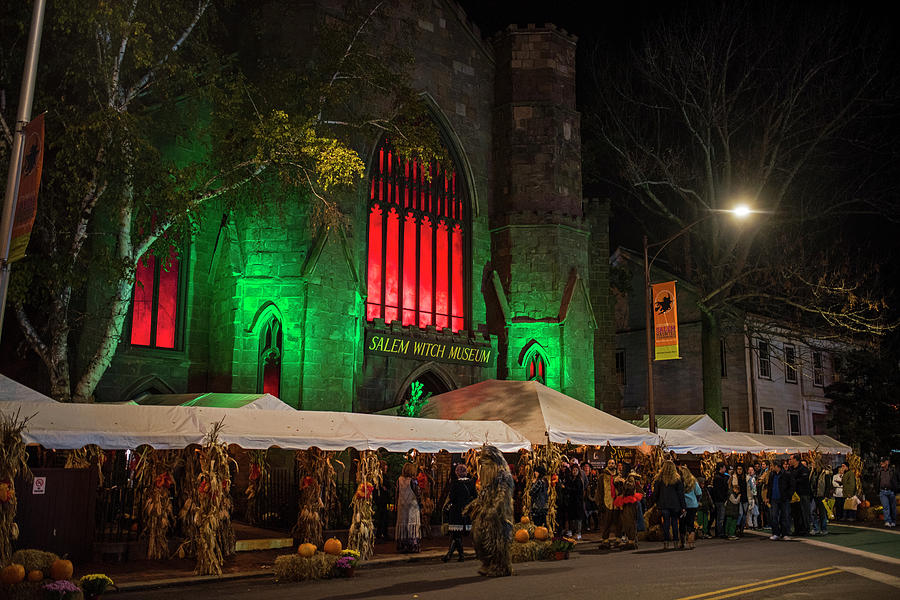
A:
{"points": [[29, 184], [665, 321]]}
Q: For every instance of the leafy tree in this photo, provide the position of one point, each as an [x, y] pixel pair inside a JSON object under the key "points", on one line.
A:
{"points": [[136, 76], [779, 105], [864, 409]]}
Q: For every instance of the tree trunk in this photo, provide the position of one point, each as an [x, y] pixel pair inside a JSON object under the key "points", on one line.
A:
{"points": [[712, 374]]}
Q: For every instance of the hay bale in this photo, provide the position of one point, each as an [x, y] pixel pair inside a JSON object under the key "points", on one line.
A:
{"points": [[34, 560], [293, 567], [530, 550], [32, 591]]}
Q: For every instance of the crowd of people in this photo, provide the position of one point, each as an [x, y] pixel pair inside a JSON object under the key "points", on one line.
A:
{"points": [[787, 496]]}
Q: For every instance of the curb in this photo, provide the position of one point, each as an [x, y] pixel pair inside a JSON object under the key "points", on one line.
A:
{"points": [[375, 563]]}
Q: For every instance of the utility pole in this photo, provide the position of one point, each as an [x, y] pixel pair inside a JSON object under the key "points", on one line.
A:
{"points": [[26, 99], [648, 296]]}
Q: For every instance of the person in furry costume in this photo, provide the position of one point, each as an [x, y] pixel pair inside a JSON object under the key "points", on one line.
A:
{"points": [[610, 514], [492, 514]]}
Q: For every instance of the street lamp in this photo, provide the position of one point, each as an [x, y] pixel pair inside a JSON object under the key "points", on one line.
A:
{"points": [[740, 211]]}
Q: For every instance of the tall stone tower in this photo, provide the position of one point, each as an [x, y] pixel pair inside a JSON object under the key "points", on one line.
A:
{"points": [[539, 234]]}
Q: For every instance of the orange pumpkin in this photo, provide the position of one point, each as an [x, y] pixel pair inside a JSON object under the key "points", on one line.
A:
{"points": [[541, 533], [333, 546], [35, 576], [522, 536], [12, 574], [61, 569], [524, 519], [864, 504], [306, 550]]}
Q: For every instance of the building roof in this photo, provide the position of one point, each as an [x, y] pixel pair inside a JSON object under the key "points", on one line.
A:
{"points": [[690, 422]]}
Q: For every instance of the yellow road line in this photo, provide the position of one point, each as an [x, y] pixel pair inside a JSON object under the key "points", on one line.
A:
{"points": [[772, 585], [756, 583]]}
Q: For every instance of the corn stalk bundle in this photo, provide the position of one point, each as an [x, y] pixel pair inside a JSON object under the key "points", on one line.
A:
{"points": [[425, 479], [318, 491], [856, 466], [651, 462], [190, 497], [362, 529], [549, 456], [709, 462], [85, 458], [259, 472], [525, 468], [815, 459], [13, 462], [208, 507], [154, 478]]}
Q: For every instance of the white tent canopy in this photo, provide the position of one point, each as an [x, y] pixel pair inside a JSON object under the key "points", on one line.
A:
{"points": [[13, 390], [683, 441], [124, 426], [538, 413], [214, 399], [689, 422]]}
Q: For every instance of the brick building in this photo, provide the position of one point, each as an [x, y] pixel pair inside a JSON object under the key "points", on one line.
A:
{"points": [[773, 380], [498, 269]]}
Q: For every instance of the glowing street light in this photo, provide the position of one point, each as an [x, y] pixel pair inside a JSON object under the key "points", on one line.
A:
{"points": [[740, 211]]}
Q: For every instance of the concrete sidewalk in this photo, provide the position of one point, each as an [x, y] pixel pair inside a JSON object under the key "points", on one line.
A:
{"points": [[160, 580]]}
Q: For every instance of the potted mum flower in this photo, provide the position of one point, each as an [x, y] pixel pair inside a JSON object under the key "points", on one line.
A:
{"points": [[346, 564], [62, 589], [95, 585], [561, 546]]}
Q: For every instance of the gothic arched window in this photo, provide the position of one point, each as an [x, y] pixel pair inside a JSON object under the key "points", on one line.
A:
{"points": [[270, 351], [154, 308], [418, 225], [536, 368]]}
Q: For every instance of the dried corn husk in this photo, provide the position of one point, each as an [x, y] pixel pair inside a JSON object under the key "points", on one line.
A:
{"points": [[362, 529], [207, 509], [13, 462], [549, 456], [525, 468], [154, 475], [259, 472], [318, 491], [85, 458]]}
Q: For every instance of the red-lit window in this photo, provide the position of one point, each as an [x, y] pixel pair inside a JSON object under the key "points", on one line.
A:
{"points": [[417, 239], [270, 350], [154, 310], [536, 368]]}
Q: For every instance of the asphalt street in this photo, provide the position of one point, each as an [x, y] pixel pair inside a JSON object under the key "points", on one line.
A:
{"points": [[752, 567]]}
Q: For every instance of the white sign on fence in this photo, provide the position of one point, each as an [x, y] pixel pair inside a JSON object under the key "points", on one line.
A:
{"points": [[39, 486]]}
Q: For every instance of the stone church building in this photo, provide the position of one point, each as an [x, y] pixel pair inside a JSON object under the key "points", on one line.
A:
{"points": [[497, 270]]}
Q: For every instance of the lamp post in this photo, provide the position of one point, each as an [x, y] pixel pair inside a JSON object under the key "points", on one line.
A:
{"points": [[741, 211]]}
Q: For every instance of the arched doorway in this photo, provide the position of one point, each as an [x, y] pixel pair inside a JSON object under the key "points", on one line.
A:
{"points": [[433, 379]]}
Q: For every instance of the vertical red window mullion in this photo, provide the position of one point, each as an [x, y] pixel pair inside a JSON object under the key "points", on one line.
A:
{"points": [[442, 295], [167, 301], [406, 182], [425, 277], [373, 302], [390, 197], [142, 307], [392, 267], [457, 278], [409, 270]]}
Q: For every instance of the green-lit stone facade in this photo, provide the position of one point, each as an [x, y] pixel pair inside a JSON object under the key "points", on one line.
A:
{"points": [[535, 281]]}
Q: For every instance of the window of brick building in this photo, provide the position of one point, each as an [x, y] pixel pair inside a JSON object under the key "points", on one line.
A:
{"points": [[154, 304], [818, 370], [768, 420], [820, 423], [765, 366], [270, 352], [417, 240], [536, 368], [790, 363], [837, 368], [620, 366], [723, 365], [794, 422]]}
